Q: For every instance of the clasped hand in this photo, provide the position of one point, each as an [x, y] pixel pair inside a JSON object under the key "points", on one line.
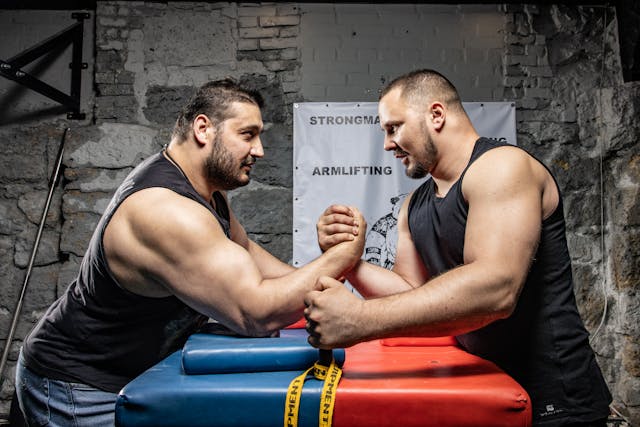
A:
{"points": [[332, 311], [339, 223]]}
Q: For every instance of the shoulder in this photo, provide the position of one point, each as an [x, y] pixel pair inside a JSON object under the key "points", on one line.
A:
{"points": [[159, 209], [156, 235], [506, 161], [503, 168]]}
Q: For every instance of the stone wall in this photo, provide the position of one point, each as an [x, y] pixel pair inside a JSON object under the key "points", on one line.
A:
{"points": [[147, 65], [574, 112], [559, 64]]}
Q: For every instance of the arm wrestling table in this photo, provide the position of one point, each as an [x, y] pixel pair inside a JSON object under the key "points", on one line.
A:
{"points": [[392, 382]]}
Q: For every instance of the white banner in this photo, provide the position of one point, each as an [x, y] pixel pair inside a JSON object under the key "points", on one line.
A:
{"points": [[338, 157]]}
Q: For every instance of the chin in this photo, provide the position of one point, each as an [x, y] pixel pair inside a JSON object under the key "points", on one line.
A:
{"points": [[416, 172], [242, 181], [229, 185]]}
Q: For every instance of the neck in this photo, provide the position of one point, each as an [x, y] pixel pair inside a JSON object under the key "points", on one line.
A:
{"points": [[454, 153], [188, 161]]}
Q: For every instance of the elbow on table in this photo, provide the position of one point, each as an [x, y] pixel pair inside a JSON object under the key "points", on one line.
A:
{"points": [[257, 328], [507, 299], [258, 321]]}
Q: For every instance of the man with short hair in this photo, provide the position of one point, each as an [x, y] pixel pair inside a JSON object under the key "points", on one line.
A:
{"points": [[167, 254], [481, 255]]}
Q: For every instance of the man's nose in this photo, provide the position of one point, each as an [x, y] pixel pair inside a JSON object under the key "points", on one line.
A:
{"points": [[256, 148], [389, 144]]}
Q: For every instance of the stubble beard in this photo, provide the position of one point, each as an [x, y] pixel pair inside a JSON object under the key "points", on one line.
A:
{"points": [[420, 168], [223, 170]]}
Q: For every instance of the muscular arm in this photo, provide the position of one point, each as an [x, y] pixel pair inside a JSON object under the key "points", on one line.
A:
{"points": [[503, 228], [337, 222], [182, 250]]}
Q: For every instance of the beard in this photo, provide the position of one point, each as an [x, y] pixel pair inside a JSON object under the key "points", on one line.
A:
{"points": [[417, 169], [223, 170]]}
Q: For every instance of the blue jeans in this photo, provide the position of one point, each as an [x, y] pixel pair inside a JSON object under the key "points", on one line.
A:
{"points": [[47, 402]]}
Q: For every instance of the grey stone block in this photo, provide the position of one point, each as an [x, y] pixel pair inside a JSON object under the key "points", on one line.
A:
{"points": [[588, 282], [625, 206], [33, 204], [164, 103], [248, 45], [76, 201], [625, 258], [282, 20], [574, 172], [165, 39], [12, 219], [95, 180], [277, 43], [247, 10], [278, 245], [115, 89], [263, 209], [41, 289], [47, 248], [247, 21], [119, 146], [257, 32], [77, 231]]}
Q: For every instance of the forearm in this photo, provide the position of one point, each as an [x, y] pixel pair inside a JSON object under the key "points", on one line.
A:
{"points": [[373, 281], [280, 301], [270, 267], [459, 301]]}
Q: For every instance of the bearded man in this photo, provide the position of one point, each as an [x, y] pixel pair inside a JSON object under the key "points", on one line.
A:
{"points": [[482, 255], [167, 255]]}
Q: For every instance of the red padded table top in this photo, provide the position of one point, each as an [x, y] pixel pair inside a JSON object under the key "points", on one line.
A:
{"points": [[425, 382]]}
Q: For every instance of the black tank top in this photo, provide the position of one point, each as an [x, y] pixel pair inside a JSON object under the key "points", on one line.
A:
{"points": [[543, 345], [97, 332]]}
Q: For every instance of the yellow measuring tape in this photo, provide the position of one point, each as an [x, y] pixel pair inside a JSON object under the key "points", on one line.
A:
{"points": [[331, 376]]}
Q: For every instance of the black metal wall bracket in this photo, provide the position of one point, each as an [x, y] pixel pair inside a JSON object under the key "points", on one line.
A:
{"points": [[12, 68]]}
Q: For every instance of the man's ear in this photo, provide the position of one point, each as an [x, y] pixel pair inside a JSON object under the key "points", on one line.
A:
{"points": [[202, 129], [437, 115]]}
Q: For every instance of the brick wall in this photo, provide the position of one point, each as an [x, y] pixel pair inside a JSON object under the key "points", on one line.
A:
{"points": [[349, 51]]}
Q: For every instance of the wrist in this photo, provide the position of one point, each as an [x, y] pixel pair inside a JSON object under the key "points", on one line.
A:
{"points": [[366, 321], [352, 272], [346, 261]]}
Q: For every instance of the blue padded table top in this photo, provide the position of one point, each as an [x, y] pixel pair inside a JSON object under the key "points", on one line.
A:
{"points": [[165, 395], [215, 354]]}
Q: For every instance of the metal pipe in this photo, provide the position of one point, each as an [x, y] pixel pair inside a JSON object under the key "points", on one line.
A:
{"points": [[16, 314], [325, 357]]}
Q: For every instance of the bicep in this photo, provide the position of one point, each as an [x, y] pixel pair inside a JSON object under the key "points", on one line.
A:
{"points": [[504, 218], [184, 248], [219, 279]]}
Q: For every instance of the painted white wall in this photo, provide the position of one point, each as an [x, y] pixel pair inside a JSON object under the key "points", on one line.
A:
{"points": [[349, 51]]}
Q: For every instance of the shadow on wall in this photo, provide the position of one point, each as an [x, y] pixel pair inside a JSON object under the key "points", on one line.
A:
{"points": [[17, 92]]}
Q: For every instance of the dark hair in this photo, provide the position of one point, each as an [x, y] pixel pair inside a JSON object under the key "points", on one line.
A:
{"points": [[420, 86], [213, 99]]}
